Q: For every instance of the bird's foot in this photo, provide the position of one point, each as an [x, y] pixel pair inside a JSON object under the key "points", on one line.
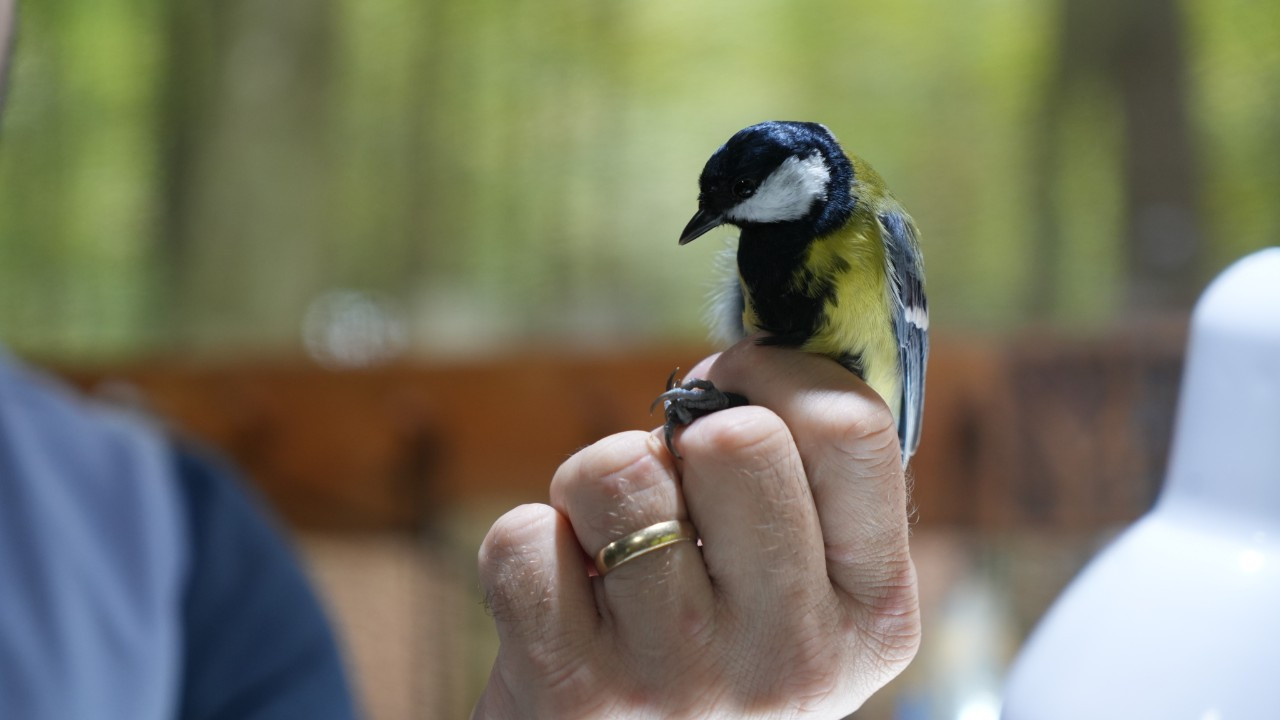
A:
{"points": [[685, 402]]}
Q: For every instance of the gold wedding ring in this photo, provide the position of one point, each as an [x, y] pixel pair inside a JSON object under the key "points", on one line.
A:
{"points": [[643, 541]]}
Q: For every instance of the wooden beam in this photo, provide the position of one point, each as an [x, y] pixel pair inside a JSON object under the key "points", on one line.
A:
{"points": [[1040, 430]]}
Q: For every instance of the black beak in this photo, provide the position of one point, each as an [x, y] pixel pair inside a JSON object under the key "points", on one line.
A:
{"points": [[702, 221]]}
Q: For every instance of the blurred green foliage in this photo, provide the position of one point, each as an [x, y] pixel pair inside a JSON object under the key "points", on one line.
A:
{"points": [[190, 177]]}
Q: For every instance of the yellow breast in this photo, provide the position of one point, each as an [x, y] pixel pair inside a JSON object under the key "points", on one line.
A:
{"points": [[856, 320]]}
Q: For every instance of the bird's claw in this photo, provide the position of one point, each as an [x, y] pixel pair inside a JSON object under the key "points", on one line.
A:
{"points": [[685, 402]]}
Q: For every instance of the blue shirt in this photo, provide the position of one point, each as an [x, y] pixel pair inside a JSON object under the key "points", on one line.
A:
{"points": [[139, 582]]}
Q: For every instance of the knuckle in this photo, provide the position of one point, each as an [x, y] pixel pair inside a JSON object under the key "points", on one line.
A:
{"points": [[867, 433], [744, 433], [862, 438], [888, 616], [739, 353], [510, 564], [601, 469], [615, 487], [512, 536]]}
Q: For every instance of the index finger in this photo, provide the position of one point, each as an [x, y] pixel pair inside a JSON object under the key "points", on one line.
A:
{"points": [[848, 444]]}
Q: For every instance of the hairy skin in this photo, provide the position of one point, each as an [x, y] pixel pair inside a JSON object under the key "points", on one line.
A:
{"points": [[801, 601]]}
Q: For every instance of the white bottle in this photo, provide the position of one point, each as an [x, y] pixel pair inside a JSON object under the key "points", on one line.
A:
{"points": [[1180, 616]]}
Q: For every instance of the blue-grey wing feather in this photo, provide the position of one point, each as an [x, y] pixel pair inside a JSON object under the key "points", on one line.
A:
{"points": [[910, 322]]}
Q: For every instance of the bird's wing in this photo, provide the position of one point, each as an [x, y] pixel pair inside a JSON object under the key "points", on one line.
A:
{"points": [[910, 321]]}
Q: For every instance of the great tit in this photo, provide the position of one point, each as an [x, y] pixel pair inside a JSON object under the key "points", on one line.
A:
{"points": [[827, 262]]}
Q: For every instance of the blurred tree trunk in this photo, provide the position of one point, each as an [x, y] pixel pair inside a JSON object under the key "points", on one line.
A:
{"points": [[1162, 217], [185, 102], [1133, 53], [245, 160]]}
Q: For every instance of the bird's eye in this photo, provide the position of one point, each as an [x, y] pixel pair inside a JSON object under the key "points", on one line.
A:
{"points": [[744, 188]]}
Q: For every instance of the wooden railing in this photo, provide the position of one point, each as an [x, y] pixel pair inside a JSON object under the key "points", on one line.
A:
{"points": [[1043, 430]]}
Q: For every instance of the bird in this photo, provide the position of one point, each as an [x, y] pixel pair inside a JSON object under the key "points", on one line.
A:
{"points": [[827, 261]]}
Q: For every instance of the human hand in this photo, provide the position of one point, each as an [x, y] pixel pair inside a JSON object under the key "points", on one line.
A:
{"points": [[801, 601]]}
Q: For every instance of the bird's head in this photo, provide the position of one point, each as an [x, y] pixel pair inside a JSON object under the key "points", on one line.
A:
{"points": [[773, 172]]}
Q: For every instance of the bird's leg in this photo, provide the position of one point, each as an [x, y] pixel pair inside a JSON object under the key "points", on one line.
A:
{"points": [[685, 402]]}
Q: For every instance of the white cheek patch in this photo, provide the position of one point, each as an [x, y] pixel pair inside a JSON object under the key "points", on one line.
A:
{"points": [[787, 194]]}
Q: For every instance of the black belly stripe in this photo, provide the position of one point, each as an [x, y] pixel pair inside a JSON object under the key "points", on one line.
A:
{"points": [[770, 261]]}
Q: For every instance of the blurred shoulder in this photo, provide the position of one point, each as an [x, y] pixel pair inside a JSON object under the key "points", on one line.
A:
{"points": [[92, 538]]}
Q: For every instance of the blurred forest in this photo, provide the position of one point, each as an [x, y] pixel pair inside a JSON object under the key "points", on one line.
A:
{"points": [[362, 179], [474, 195]]}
